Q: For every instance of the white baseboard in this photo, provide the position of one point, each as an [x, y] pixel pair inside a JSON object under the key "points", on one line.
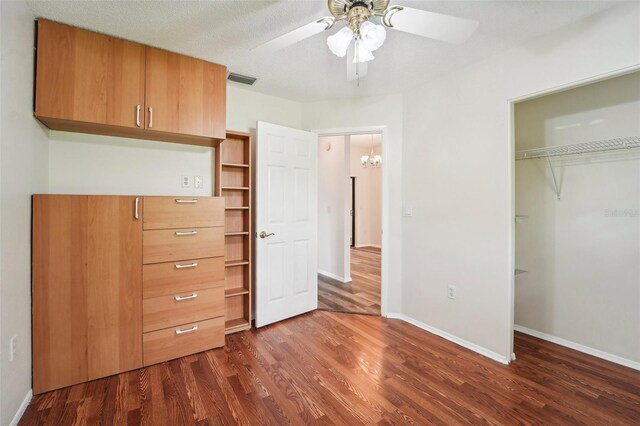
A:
{"points": [[368, 245], [22, 408], [450, 337], [335, 277], [578, 347]]}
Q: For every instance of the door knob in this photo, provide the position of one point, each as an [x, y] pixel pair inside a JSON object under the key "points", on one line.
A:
{"points": [[265, 235]]}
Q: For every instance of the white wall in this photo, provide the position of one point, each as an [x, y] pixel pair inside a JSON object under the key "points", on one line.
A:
{"points": [[333, 220], [24, 171], [92, 164], [245, 107], [368, 190], [582, 253], [457, 174], [365, 112]]}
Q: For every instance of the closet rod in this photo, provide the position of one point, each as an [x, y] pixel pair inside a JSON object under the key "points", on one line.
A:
{"points": [[580, 148]]}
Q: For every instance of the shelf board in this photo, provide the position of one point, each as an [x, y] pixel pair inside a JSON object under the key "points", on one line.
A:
{"points": [[235, 165], [234, 325], [231, 234], [237, 208], [235, 188], [235, 292], [237, 262]]}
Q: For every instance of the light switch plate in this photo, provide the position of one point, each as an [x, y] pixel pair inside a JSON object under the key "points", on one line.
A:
{"points": [[197, 182]]}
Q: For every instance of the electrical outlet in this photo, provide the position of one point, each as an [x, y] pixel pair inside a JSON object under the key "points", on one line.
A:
{"points": [[452, 291], [197, 182], [186, 181], [13, 348]]}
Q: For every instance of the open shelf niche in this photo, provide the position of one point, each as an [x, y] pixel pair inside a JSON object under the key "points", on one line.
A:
{"points": [[233, 182]]}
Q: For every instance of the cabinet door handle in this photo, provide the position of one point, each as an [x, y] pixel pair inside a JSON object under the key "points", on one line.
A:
{"points": [[193, 265], [150, 117], [179, 298], [189, 330], [182, 234], [191, 201], [135, 213], [138, 115]]}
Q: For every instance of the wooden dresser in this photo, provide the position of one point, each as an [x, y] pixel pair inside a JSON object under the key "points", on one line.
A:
{"points": [[183, 276], [121, 282]]}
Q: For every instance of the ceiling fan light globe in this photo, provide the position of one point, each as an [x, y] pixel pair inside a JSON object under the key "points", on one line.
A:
{"points": [[362, 53], [372, 35], [340, 41]]}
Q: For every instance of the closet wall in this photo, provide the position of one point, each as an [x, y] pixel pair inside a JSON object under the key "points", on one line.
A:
{"points": [[582, 252]]}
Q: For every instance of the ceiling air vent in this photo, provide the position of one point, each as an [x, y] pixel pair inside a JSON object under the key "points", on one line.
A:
{"points": [[242, 79]]}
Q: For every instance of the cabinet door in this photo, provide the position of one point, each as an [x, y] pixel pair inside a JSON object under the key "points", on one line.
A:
{"points": [[88, 77], [185, 95], [87, 288]]}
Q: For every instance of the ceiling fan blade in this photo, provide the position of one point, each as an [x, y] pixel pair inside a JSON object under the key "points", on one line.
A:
{"points": [[355, 71], [293, 37], [430, 24]]}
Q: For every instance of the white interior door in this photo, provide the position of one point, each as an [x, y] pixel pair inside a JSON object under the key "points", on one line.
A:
{"points": [[286, 223]]}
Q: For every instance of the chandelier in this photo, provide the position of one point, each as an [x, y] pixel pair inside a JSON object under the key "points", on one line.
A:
{"points": [[373, 160]]}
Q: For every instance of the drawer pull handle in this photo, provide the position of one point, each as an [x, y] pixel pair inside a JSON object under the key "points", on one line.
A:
{"points": [[194, 328], [193, 265], [182, 234], [179, 298], [181, 201]]}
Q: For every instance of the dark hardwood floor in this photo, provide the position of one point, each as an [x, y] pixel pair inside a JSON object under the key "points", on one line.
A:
{"points": [[334, 368], [362, 295]]}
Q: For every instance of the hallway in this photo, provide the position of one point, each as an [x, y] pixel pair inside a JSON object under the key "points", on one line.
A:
{"points": [[362, 295]]}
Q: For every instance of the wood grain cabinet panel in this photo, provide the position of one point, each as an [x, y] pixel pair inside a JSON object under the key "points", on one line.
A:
{"points": [[170, 245], [88, 77], [180, 212], [182, 307], [185, 95], [86, 288], [161, 279], [174, 342]]}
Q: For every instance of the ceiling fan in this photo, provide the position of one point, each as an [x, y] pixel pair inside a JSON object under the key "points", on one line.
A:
{"points": [[368, 36]]}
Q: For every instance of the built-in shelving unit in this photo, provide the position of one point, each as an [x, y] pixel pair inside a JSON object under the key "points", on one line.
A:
{"points": [[233, 182]]}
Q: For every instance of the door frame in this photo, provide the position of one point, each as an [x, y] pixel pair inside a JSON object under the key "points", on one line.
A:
{"points": [[512, 180], [386, 196], [353, 211]]}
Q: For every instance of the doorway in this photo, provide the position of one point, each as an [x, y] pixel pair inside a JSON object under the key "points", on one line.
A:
{"points": [[350, 223]]}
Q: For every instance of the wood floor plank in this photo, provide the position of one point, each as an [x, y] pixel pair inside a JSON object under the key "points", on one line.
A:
{"points": [[362, 294], [329, 368]]}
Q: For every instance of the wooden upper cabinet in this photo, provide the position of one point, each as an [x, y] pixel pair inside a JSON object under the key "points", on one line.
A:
{"points": [[92, 83], [185, 95], [88, 77]]}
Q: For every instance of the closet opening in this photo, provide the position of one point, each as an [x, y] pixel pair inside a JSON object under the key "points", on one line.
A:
{"points": [[577, 220]]}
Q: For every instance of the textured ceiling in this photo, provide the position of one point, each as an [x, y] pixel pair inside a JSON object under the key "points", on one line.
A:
{"points": [[226, 31]]}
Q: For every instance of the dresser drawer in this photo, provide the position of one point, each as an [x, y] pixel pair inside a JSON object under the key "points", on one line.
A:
{"points": [[181, 308], [182, 212], [175, 342], [161, 279], [179, 244]]}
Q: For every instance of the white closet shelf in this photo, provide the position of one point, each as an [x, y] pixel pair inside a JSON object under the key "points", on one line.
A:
{"points": [[581, 148]]}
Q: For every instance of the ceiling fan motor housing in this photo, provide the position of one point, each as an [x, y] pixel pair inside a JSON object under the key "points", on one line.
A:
{"points": [[357, 11]]}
